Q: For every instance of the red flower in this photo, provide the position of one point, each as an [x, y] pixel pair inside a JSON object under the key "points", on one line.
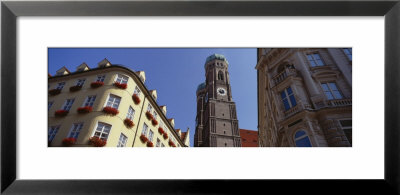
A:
{"points": [[150, 144], [61, 113], [97, 142], [96, 84], [171, 143], [165, 136], [154, 122], [110, 110], [68, 141], [161, 130], [120, 85], [85, 109], [75, 88], [149, 115], [128, 122], [136, 99], [53, 92], [143, 138]]}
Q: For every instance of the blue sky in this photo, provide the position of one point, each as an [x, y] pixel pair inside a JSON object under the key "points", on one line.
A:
{"points": [[175, 73]]}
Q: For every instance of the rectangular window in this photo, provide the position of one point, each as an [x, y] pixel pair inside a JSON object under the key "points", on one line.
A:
{"points": [[315, 60], [331, 91], [288, 98], [113, 101], [102, 131], [60, 85], [158, 143], [52, 132], [347, 128], [90, 101], [50, 104], [144, 130], [68, 104], [137, 91], [131, 113], [75, 130], [349, 53], [121, 79], [100, 78], [80, 82], [155, 114], [151, 135], [162, 124], [122, 140], [149, 108]]}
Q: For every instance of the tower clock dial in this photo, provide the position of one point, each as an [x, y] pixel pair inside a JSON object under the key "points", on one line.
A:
{"points": [[221, 91]]}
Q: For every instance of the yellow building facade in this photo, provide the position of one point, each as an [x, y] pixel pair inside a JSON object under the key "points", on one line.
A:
{"points": [[107, 106]]}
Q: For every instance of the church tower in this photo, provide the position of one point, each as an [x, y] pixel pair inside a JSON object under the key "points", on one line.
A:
{"points": [[216, 121]]}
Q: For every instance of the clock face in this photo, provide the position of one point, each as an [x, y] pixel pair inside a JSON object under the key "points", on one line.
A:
{"points": [[221, 91]]}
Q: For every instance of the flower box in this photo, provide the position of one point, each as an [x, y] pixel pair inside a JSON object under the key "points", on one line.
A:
{"points": [[68, 141], [143, 138], [96, 84], [120, 85], [154, 122], [165, 135], [110, 110], [136, 99], [129, 123], [83, 110], [97, 142], [53, 92], [171, 143], [75, 88], [61, 113], [149, 115], [150, 144], [161, 130]]}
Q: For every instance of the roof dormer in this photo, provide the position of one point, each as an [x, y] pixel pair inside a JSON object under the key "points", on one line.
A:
{"points": [[104, 63], [62, 71], [141, 75], [82, 67], [172, 121], [179, 132], [164, 109], [153, 94]]}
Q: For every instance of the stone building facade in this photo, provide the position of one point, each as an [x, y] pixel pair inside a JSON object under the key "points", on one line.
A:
{"points": [[107, 106], [216, 120], [304, 97]]}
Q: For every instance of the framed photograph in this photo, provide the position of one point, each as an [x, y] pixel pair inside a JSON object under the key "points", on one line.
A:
{"points": [[318, 33]]}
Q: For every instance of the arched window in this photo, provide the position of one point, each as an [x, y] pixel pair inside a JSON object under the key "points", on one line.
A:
{"points": [[301, 139], [220, 75]]}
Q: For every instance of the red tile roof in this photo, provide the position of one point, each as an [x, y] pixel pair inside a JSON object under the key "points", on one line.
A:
{"points": [[249, 138]]}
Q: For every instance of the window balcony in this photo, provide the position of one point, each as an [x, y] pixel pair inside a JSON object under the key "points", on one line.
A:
{"points": [[283, 75]]}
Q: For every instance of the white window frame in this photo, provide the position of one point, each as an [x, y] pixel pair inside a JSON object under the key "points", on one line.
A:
{"points": [[144, 129], [89, 101], [151, 135], [80, 82], [122, 143], [131, 113], [52, 132], [155, 114], [122, 79], [100, 78], [102, 130], [60, 85], [113, 102], [68, 104], [137, 91], [75, 130]]}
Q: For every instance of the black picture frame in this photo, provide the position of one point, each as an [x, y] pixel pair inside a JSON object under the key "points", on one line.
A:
{"points": [[10, 10]]}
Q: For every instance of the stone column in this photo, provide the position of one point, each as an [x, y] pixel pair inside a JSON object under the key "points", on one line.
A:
{"points": [[343, 64]]}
